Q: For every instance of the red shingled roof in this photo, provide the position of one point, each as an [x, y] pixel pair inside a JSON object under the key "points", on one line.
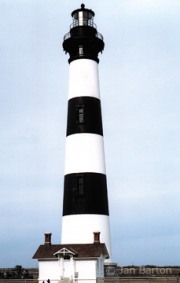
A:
{"points": [[81, 250]]}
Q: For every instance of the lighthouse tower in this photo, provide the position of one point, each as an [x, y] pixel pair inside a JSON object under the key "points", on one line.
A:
{"points": [[85, 203]]}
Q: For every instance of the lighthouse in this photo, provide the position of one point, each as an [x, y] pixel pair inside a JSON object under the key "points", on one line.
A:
{"points": [[85, 234], [85, 201]]}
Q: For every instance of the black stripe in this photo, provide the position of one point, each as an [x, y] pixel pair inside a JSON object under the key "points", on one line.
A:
{"points": [[85, 193], [84, 116]]}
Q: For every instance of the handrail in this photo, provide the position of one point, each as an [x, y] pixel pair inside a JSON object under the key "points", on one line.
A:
{"points": [[89, 23], [98, 35]]}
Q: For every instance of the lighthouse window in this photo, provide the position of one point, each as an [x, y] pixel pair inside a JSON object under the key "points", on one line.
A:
{"points": [[81, 50], [80, 114], [80, 183]]}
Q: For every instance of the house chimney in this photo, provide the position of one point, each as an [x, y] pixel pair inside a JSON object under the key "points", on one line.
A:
{"points": [[97, 237], [47, 238]]}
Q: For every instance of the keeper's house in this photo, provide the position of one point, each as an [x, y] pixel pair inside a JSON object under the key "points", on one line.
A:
{"points": [[70, 262]]}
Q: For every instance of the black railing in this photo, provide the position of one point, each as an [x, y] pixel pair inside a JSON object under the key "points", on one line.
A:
{"points": [[89, 23], [98, 35]]}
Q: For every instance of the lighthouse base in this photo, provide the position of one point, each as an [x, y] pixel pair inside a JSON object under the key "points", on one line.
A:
{"points": [[79, 229]]}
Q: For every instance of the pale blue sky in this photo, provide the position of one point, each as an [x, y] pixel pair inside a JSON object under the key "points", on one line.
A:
{"points": [[140, 82]]}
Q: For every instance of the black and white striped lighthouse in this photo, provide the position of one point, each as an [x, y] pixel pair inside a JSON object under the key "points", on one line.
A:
{"points": [[85, 204]]}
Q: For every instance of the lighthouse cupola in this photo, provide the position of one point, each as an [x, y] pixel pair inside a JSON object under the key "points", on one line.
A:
{"points": [[82, 17], [83, 40]]}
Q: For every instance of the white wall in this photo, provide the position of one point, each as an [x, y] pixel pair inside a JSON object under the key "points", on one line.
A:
{"points": [[54, 270], [49, 270], [83, 78], [86, 269]]}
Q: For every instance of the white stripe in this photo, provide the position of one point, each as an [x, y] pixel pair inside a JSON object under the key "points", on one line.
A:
{"points": [[78, 229], [83, 78], [84, 153]]}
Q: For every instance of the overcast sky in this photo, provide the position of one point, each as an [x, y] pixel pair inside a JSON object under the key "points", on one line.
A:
{"points": [[140, 83]]}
